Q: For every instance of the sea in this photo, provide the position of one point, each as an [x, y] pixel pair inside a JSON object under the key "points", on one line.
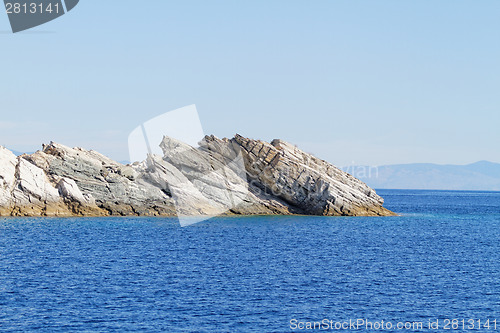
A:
{"points": [[433, 268]]}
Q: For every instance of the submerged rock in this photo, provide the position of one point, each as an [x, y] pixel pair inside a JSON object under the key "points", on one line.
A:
{"points": [[222, 176]]}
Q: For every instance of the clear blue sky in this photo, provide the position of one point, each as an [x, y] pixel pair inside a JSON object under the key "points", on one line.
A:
{"points": [[370, 82]]}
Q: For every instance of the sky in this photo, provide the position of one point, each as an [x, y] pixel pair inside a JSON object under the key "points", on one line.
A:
{"points": [[353, 82]]}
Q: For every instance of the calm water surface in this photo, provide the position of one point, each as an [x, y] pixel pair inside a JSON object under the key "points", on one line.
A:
{"points": [[440, 259]]}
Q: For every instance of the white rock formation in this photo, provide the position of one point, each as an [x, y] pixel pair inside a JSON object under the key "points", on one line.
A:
{"points": [[232, 176]]}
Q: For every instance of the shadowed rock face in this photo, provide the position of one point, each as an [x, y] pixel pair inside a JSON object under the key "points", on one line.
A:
{"points": [[222, 176]]}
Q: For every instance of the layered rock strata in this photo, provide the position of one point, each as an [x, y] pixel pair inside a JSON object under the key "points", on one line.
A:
{"points": [[222, 176]]}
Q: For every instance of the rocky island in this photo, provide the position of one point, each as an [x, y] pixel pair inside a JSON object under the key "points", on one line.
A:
{"points": [[276, 178]]}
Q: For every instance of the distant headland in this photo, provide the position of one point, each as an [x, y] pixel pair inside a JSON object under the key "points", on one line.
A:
{"points": [[479, 176]]}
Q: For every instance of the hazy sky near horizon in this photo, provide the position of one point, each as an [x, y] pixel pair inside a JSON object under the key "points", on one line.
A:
{"points": [[363, 82]]}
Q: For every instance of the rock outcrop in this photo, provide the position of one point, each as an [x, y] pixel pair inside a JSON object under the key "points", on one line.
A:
{"points": [[222, 176]]}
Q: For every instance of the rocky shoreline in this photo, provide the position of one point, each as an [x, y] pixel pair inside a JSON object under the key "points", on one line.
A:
{"points": [[277, 178]]}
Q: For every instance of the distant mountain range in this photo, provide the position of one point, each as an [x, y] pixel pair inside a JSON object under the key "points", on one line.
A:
{"points": [[480, 176]]}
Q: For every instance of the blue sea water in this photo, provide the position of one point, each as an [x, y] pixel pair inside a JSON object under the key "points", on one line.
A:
{"points": [[439, 260]]}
